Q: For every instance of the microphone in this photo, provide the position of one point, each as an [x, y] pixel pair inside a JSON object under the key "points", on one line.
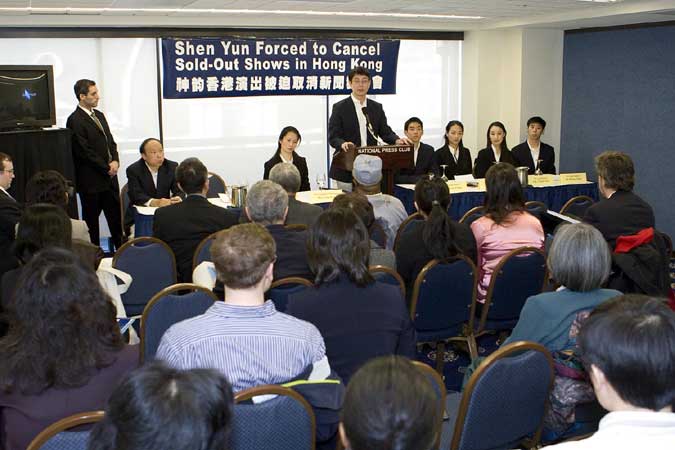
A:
{"points": [[369, 126]]}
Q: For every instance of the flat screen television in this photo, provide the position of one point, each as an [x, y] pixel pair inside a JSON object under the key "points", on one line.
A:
{"points": [[26, 97]]}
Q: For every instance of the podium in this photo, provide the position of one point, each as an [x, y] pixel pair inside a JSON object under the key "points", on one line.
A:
{"points": [[393, 157]]}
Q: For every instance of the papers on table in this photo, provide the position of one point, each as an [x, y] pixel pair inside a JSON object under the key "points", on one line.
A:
{"points": [[223, 200], [467, 183]]}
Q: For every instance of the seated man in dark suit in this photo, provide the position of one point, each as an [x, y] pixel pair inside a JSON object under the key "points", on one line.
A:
{"points": [[10, 213], [152, 179], [267, 204], [533, 153], [424, 154], [184, 225], [288, 177]]}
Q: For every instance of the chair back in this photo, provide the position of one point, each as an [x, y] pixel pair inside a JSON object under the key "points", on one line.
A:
{"points": [[520, 274], [169, 306], [285, 422], [56, 436], [577, 206], [387, 275], [505, 399], [152, 266], [378, 234], [203, 250], [216, 185], [444, 298], [403, 228], [441, 391], [283, 288], [537, 209], [472, 215]]}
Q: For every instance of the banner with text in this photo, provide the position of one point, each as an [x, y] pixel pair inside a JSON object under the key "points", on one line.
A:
{"points": [[195, 68]]}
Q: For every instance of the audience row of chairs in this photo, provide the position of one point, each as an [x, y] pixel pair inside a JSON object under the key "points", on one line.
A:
{"points": [[513, 384]]}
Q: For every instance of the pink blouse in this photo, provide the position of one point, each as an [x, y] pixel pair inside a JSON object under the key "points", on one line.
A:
{"points": [[494, 241]]}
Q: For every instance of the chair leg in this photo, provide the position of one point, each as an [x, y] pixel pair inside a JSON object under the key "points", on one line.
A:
{"points": [[473, 347], [440, 357]]}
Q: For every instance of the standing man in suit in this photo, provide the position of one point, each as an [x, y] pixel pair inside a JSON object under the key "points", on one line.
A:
{"points": [[533, 153], [423, 154], [152, 179], [96, 163], [356, 122], [10, 213], [184, 225]]}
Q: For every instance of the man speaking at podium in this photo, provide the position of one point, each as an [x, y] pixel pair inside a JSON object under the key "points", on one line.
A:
{"points": [[357, 122]]}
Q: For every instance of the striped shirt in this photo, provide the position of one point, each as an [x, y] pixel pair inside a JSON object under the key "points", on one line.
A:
{"points": [[250, 345]]}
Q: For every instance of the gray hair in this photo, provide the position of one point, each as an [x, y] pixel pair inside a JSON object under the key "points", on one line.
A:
{"points": [[579, 257], [266, 202], [287, 175]]}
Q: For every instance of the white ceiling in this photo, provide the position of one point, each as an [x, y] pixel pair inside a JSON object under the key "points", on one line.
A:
{"points": [[438, 15]]}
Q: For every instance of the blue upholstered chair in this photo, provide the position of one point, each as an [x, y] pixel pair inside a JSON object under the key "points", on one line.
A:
{"points": [[378, 234], [203, 251], [167, 307], [441, 391], [472, 215], [56, 436], [283, 288], [505, 399], [406, 225], [387, 275], [520, 274], [537, 209], [577, 206], [152, 266], [443, 304], [285, 422], [216, 185]]}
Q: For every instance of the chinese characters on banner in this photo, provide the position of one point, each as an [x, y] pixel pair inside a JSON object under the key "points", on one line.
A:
{"points": [[195, 68]]}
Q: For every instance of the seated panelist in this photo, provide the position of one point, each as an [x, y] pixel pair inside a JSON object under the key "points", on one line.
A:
{"points": [[453, 155], [533, 153], [424, 159], [289, 139], [152, 179], [495, 151]]}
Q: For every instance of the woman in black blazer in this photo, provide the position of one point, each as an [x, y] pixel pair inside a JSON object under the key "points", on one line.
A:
{"points": [[496, 144], [454, 131], [289, 139]]}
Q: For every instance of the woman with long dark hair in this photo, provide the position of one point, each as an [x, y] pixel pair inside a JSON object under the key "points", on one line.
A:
{"points": [[288, 141], [358, 317], [506, 224], [63, 352], [436, 237], [495, 150], [453, 154]]}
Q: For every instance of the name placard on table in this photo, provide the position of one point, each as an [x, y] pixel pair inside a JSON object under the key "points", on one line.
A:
{"points": [[456, 186], [541, 180], [315, 197], [573, 178]]}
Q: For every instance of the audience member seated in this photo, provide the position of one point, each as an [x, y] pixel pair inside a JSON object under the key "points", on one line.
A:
{"points": [[437, 237], [453, 155], [389, 211], [495, 151], [505, 226], [289, 139], [151, 180], [63, 353], [156, 407], [390, 404], [288, 177], [358, 317], [10, 212], [628, 347], [580, 261], [49, 186], [534, 154], [184, 225], [423, 154], [620, 212], [244, 336], [358, 203]]}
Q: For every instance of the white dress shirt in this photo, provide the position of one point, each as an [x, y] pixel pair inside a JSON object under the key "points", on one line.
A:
{"points": [[494, 151], [535, 153], [363, 123]]}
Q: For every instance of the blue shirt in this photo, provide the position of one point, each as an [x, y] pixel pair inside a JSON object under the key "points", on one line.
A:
{"points": [[250, 345]]}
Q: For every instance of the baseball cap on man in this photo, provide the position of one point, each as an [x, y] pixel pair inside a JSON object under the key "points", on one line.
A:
{"points": [[367, 170]]}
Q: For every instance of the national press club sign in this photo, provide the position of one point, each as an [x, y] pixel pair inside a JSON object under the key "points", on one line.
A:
{"points": [[214, 67]]}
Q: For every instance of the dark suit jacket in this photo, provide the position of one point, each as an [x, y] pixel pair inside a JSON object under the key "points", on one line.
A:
{"points": [[302, 213], [521, 153], [486, 158], [623, 214], [357, 323], [291, 253], [10, 213], [184, 225], [426, 162], [141, 186], [298, 161], [461, 167], [90, 152], [343, 126]]}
